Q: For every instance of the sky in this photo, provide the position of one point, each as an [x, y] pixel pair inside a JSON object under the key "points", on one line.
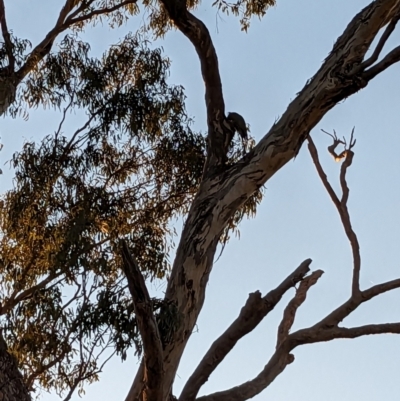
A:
{"points": [[261, 73]]}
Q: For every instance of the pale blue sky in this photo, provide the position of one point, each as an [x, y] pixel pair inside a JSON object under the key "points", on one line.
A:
{"points": [[261, 72]]}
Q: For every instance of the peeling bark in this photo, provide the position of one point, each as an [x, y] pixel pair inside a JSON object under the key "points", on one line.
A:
{"points": [[219, 197], [223, 192]]}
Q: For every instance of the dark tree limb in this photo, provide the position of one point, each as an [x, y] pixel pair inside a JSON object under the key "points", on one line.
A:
{"points": [[64, 22], [219, 133], [275, 366], [289, 313], [7, 37], [391, 58], [382, 41], [252, 313], [341, 205], [313, 336], [147, 324]]}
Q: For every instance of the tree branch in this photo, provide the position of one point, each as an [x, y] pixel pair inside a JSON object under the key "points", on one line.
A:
{"points": [[275, 366], [382, 41], [341, 205], [70, 21], [221, 195], [391, 58], [152, 346], [252, 313], [310, 336], [62, 24], [6, 36], [294, 304], [219, 135]]}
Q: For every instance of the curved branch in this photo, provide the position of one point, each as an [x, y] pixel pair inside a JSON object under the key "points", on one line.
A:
{"points": [[275, 366], [198, 34], [341, 205], [294, 304], [252, 313], [391, 58], [152, 346]]}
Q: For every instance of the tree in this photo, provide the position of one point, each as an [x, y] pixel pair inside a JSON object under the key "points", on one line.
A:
{"points": [[219, 194]]}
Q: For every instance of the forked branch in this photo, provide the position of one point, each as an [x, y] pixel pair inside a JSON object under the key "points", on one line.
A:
{"points": [[71, 13], [341, 205], [290, 311], [252, 313], [327, 329]]}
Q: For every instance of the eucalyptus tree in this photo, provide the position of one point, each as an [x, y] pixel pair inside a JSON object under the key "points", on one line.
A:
{"points": [[89, 213]]}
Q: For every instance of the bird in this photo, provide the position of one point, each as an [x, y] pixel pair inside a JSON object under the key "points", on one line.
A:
{"points": [[237, 123]]}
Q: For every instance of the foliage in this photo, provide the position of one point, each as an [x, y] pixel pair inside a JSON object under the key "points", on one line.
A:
{"points": [[132, 166]]}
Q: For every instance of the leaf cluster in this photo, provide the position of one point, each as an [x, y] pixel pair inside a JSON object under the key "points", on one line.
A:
{"points": [[132, 166]]}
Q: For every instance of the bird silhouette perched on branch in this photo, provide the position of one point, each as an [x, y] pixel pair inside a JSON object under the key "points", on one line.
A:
{"points": [[238, 124]]}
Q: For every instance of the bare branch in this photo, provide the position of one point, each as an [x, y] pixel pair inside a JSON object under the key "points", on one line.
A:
{"points": [[315, 158], [152, 346], [341, 205], [309, 336], [252, 313], [63, 23], [344, 310], [332, 148], [382, 41], [291, 309], [70, 21], [275, 366], [391, 58], [380, 289]]}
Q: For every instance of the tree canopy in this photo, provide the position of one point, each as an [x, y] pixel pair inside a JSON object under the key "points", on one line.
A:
{"points": [[89, 220]]}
